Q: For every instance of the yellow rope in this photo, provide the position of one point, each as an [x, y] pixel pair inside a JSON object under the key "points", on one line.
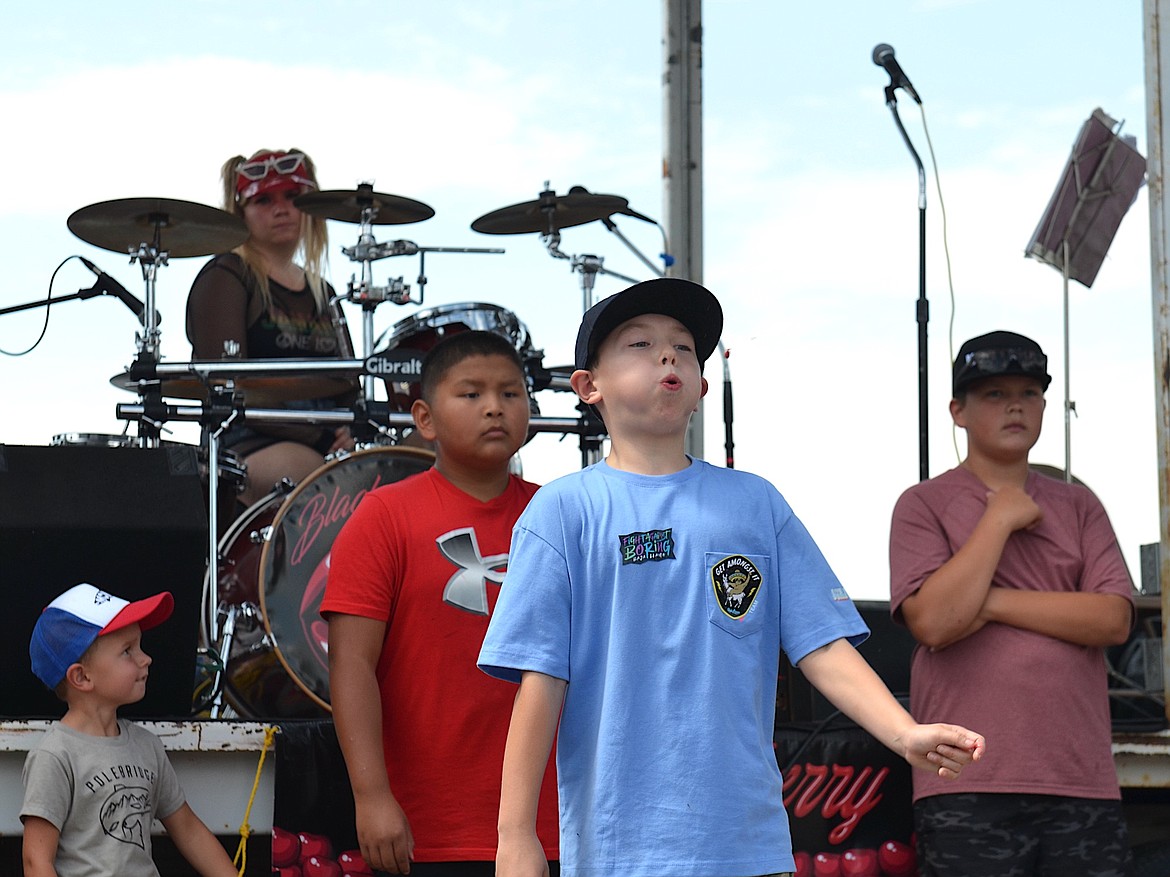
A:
{"points": [[241, 857]]}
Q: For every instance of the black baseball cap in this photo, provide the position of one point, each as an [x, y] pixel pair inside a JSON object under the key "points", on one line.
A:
{"points": [[689, 303], [998, 353]]}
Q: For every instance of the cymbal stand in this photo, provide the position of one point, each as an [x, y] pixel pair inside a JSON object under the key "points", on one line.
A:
{"points": [[368, 250], [589, 266], [150, 257]]}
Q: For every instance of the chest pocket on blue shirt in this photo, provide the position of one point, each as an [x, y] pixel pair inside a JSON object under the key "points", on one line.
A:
{"points": [[736, 586]]}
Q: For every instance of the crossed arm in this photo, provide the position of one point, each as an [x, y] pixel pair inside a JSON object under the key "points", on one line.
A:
{"points": [[958, 598]]}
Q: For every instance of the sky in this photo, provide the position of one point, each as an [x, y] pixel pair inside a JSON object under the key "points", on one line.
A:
{"points": [[810, 206]]}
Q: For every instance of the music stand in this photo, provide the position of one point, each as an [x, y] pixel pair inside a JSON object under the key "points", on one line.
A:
{"points": [[1099, 184]]}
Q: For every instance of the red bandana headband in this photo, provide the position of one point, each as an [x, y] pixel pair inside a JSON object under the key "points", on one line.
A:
{"points": [[270, 171]]}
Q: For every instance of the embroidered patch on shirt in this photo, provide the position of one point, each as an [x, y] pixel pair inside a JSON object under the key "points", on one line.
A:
{"points": [[736, 581], [648, 545], [839, 595]]}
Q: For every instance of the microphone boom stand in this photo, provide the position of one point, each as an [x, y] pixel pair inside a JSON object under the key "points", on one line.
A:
{"points": [[922, 310]]}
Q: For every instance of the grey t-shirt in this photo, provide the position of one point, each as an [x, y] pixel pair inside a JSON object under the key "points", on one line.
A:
{"points": [[102, 794]]}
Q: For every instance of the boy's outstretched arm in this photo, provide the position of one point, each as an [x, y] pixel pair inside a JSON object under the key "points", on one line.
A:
{"points": [[198, 845], [850, 684], [384, 834], [530, 737]]}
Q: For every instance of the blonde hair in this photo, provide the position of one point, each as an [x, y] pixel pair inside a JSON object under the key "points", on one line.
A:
{"points": [[314, 239]]}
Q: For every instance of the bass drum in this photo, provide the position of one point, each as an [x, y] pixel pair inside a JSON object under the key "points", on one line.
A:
{"points": [[275, 561]]}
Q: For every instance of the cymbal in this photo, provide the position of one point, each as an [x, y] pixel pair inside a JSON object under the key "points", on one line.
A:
{"points": [[258, 391], [551, 212], [345, 205], [180, 228]]}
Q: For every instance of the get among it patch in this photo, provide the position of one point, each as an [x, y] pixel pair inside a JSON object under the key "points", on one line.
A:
{"points": [[736, 581]]}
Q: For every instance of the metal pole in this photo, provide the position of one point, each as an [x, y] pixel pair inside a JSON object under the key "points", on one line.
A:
{"points": [[683, 163], [922, 305], [1157, 54]]}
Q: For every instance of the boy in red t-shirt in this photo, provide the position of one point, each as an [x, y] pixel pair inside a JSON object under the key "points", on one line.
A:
{"points": [[413, 577]]}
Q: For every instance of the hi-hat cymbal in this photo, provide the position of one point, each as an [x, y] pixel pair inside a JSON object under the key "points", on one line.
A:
{"points": [[345, 205], [180, 228], [551, 212], [258, 391]]}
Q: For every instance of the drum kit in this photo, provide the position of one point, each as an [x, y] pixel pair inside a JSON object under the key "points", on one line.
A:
{"points": [[264, 643]]}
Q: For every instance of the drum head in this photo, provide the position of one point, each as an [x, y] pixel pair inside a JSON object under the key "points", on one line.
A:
{"points": [[422, 331], [294, 563], [94, 440]]}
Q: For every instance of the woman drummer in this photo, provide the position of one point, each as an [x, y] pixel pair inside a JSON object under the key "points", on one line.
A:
{"points": [[259, 302]]}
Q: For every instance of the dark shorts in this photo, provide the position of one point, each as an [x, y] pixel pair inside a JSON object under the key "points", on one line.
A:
{"points": [[483, 869], [463, 869], [995, 835]]}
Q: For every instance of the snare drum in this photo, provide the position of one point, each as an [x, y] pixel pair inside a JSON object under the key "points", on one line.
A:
{"points": [[424, 330], [275, 561]]}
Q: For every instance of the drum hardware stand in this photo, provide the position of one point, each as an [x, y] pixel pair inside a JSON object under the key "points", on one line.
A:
{"points": [[589, 267], [336, 417], [233, 614], [368, 250], [221, 410], [593, 433], [150, 259], [224, 652], [374, 420], [220, 413]]}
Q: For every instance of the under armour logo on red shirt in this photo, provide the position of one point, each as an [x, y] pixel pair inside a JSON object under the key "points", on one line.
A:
{"points": [[467, 589]]}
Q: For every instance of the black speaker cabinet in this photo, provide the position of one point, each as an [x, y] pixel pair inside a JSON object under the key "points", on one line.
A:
{"points": [[131, 521], [887, 650]]}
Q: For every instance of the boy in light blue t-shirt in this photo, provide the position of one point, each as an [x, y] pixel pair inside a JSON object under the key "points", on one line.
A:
{"points": [[646, 603]]}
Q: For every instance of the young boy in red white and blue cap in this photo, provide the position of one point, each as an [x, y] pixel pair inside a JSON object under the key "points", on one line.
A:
{"points": [[95, 782]]}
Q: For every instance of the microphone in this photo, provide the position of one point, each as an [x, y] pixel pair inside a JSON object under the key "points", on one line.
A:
{"points": [[110, 286], [883, 56], [624, 211], [630, 211]]}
